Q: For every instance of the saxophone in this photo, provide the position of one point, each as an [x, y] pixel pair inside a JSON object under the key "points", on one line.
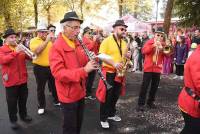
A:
{"points": [[126, 63]]}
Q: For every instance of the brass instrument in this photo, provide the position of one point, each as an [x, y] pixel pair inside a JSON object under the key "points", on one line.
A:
{"points": [[127, 62], [158, 47], [27, 51], [168, 48]]}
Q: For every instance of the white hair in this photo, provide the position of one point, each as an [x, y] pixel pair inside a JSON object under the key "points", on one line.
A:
{"points": [[64, 24]]}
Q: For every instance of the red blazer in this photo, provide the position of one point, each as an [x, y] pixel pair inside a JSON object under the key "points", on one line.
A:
{"points": [[13, 67], [148, 50], [66, 66], [191, 80]]}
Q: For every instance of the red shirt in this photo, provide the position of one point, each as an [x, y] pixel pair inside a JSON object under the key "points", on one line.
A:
{"points": [[66, 66], [13, 67]]}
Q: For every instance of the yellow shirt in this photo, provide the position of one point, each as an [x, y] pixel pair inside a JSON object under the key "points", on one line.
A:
{"points": [[109, 47], [43, 58]]}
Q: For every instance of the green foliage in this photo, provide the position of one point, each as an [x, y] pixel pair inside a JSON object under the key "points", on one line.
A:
{"points": [[140, 9], [188, 11]]}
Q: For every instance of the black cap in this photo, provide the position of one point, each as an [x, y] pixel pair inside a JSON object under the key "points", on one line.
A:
{"points": [[86, 29], [69, 16], [51, 26], [119, 23], [160, 30], [8, 32]]}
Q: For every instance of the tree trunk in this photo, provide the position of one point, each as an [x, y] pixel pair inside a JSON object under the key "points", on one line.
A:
{"points": [[120, 2], [48, 15], [35, 11], [81, 7], [168, 14]]}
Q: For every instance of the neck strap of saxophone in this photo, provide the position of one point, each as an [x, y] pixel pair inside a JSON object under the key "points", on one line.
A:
{"points": [[118, 44]]}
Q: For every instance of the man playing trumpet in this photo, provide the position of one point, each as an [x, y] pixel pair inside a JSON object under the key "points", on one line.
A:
{"points": [[14, 77], [41, 46], [153, 52]]}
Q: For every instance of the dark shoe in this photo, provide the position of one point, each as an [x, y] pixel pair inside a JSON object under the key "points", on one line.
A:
{"points": [[151, 106], [26, 119], [140, 108], [14, 125]]}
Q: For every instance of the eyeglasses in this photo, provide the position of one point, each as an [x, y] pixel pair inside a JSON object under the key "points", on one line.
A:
{"points": [[159, 35], [74, 27], [123, 29], [52, 30]]}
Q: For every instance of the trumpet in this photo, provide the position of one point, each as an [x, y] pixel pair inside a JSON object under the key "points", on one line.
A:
{"points": [[158, 48], [27, 51]]}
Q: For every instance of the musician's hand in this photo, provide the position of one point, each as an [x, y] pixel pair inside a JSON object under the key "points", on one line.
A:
{"points": [[118, 66], [18, 49], [128, 54], [90, 66]]}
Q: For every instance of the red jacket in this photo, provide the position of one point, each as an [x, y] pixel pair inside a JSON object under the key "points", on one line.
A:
{"points": [[191, 80], [13, 67], [148, 50], [66, 66], [91, 45]]}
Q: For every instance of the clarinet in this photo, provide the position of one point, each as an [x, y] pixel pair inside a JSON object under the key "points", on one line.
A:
{"points": [[87, 52]]}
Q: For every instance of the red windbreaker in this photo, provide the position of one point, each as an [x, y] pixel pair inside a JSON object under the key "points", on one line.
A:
{"points": [[148, 50], [13, 67], [191, 80], [66, 66]]}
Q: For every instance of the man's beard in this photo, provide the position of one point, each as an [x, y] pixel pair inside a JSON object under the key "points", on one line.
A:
{"points": [[120, 36]]}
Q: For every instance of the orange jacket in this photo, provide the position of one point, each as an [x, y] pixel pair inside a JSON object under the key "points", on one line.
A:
{"points": [[13, 67], [66, 66], [148, 50], [191, 80]]}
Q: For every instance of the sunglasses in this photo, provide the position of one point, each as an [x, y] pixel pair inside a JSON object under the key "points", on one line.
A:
{"points": [[159, 35], [123, 29]]}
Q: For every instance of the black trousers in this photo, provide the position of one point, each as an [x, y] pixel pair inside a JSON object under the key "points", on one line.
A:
{"points": [[16, 97], [192, 125], [140, 60], [108, 109], [42, 75], [154, 79], [89, 83], [73, 117], [179, 70]]}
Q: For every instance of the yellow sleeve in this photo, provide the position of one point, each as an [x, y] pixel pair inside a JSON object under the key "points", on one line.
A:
{"points": [[34, 43], [103, 47]]}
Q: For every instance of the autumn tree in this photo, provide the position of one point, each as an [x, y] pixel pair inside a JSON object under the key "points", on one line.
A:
{"points": [[188, 11]]}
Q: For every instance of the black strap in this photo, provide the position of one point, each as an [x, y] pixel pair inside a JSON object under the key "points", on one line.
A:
{"points": [[191, 93], [118, 44]]}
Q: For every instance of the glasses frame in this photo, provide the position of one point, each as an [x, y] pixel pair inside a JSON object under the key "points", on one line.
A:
{"points": [[74, 27]]}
